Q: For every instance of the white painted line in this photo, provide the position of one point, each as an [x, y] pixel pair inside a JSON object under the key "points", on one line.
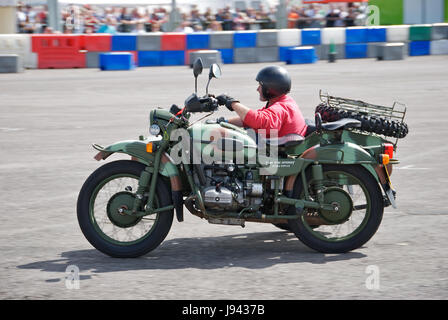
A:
{"points": [[11, 129]]}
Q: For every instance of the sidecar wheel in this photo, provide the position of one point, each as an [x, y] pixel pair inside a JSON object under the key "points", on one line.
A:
{"points": [[361, 210], [110, 188]]}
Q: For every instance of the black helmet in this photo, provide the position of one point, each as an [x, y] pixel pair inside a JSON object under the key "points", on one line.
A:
{"points": [[275, 81]]}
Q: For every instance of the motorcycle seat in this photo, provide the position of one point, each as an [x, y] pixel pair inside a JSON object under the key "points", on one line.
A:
{"points": [[289, 140], [341, 124]]}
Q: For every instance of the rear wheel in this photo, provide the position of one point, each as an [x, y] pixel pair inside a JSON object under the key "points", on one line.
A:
{"points": [[106, 191], [360, 210]]}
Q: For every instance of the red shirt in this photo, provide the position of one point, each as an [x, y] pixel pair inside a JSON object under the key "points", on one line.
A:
{"points": [[282, 115]]}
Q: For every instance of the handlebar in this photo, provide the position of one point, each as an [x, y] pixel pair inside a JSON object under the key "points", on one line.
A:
{"points": [[204, 104]]}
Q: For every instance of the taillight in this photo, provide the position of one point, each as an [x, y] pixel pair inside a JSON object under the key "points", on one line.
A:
{"points": [[389, 150]]}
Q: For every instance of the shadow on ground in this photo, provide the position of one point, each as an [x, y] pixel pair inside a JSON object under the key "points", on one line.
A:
{"points": [[251, 251]]}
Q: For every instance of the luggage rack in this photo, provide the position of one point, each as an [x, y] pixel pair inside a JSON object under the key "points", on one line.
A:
{"points": [[395, 113]]}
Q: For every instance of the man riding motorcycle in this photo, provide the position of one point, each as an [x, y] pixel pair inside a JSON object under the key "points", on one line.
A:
{"points": [[281, 112]]}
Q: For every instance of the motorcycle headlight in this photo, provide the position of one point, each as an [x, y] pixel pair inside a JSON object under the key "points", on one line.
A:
{"points": [[154, 129]]}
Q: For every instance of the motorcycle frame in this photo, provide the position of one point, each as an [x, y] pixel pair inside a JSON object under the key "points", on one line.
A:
{"points": [[326, 147]]}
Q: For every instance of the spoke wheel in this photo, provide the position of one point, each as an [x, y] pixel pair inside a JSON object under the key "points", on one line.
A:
{"points": [[101, 204], [355, 194]]}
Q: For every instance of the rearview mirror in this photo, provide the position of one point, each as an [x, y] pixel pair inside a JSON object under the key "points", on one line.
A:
{"points": [[197, 67], [215, 71]]}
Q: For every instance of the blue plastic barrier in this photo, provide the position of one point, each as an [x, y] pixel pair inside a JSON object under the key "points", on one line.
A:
{"points": [[419, 48], [376, 34], [283, 53], [173, 58], [355, 50], [226, 55], [149, 58], [310, 37], [244, 39], [117, 61], [124, 42], [198, 41], [299, 55], [356, 35]]}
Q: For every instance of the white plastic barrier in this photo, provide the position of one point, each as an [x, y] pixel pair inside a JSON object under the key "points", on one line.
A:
{"points": [[439, 47], [397, 33], [19, 44], [289, 37], [333, 35]]}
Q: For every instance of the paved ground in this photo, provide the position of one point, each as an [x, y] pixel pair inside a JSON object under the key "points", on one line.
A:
{"points": [[49, 118]]}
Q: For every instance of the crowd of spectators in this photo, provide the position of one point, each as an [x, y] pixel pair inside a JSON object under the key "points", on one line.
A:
{"points": [[90, 19]]}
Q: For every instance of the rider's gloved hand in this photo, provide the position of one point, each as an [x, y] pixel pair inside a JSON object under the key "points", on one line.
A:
{"points": [[221, 119], [225, 100]]}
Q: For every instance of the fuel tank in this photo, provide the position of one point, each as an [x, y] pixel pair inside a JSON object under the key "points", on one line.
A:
{"points": [[223, 142]]}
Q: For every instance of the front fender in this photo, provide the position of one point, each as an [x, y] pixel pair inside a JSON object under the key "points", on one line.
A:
{"points": [[137, 149]]}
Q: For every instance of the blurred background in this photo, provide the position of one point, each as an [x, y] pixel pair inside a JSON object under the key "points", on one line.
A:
{"points": [[143, 16]]}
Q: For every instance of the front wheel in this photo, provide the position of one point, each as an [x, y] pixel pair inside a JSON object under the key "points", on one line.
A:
{"points": [[360, 210], [110, 188]]}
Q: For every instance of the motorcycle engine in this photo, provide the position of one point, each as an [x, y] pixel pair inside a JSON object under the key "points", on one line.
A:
{"points": [[225, 189]]}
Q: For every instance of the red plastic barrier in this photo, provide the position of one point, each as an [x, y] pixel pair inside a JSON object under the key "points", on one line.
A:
{"points": [[58, 51], [61, 60], [96, 42], [173, 41], [55, 42]]}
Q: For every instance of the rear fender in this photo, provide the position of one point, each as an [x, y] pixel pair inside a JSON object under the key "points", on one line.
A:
{"points": [[343, 153]]}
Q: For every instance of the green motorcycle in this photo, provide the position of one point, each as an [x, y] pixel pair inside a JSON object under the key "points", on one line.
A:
{"points": [[329, 188]]}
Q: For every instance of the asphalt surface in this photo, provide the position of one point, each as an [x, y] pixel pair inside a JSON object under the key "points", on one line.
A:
{"points": [[49, 118]]}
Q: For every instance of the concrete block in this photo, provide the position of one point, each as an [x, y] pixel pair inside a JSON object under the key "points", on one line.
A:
{"points": [[267, 54], [391, 51], [221, 40], [439, 31], [245, 55], [19, 44], [244, 39], [419, 48], [324, 50], [289, 37], [198, 40], [93, 59], [398, 33], [208, 57], [149, 58], [124, 42], [376, 34], [226, 55], [333, 35], [149, 42], [439, 47], [355, 50], [267, 38], [356, 35], [311, 37], [420, 32], [372, 49], [10, 63]]}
